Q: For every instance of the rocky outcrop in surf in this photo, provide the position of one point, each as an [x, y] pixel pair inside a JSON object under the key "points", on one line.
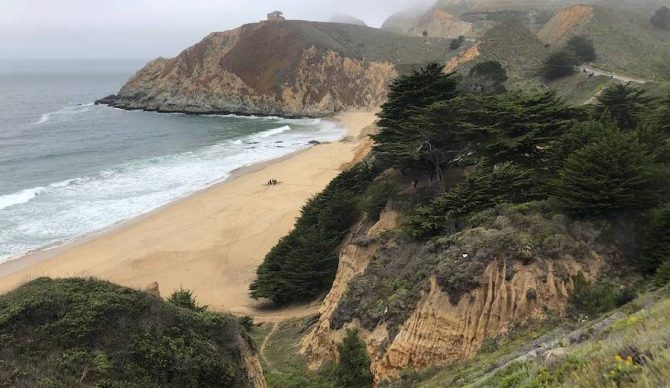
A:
{"points": [[286, 68]]}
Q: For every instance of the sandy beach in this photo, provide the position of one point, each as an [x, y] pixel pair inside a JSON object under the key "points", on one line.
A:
{"points": [[210, 242]]}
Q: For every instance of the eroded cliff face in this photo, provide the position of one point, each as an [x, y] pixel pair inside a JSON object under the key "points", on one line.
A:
{"points": [[288, 68], [565, 22], [440, 330], [252, 365]]}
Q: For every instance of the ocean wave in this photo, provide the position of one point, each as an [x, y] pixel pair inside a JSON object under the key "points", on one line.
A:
{"points": [[272, 132], [69, 110], [20, 197]]}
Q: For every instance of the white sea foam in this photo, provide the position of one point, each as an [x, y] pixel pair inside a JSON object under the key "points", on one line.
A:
{"points": [[20, 197], [273, 132], [68, 110], [62, 211]]}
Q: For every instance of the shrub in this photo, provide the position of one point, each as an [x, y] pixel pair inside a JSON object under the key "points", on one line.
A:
{"points": [[662, 276], [456, 43], [486, 77], [598, 297], [583, 48], [614, 173], [656, 243], [375, 199], [84, 332], [559, 64], [353, 370], [184, 298], [246, 322], [661, 18], [485, 188]]}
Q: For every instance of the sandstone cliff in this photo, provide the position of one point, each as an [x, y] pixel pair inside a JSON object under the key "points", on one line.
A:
{"points": [[287, 68], [513, 283]]}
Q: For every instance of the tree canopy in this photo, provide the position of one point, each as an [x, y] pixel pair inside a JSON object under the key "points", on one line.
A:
{"points": [[582, 47], [486, 77], [559, 64], [625, 104], [661, 18]]}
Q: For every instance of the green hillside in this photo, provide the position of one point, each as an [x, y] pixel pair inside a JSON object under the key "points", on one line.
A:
{"points": [[84, 332]]}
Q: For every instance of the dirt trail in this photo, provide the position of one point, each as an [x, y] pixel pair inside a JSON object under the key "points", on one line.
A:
{"points": [[261, 350]]}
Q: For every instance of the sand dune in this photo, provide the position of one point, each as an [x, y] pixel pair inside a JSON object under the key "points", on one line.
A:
{"points": [[210, 242]]}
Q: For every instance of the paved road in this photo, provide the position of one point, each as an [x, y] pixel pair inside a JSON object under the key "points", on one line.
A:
{"points": [[616, 76], [613, 76]]}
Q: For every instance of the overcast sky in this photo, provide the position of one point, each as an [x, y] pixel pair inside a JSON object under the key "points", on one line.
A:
{"points": [[143, 29]]}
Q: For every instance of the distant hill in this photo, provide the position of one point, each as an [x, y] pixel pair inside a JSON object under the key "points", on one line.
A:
{"points": [[439, 23], [625, 41], [509, 43], [288, 68], [85, 333], [347, 19], [402, 21]]}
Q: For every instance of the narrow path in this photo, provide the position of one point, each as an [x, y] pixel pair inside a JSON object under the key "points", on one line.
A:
{"points": [[261, 351]]}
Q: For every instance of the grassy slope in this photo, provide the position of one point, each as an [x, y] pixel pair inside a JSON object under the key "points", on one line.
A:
{"points": [[589, 355], [278, 345], [626, 42], [81, 332]]}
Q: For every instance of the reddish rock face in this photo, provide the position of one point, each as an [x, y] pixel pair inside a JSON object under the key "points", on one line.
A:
{"points": [[288, 68]]}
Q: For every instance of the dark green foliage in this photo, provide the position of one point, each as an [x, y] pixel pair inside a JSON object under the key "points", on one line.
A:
{"points": [[185, 299], [79, 332], [375, 199], [662, 276], [583, 48], [353, 370], [598, 297], [303, 263], [417, 90], [656, 241], [612, 174], [661, 18], [663, 117], [485, 188], [521, 128], [456, 43], [462, 128], [625, 104], [560, 64], [247, 322], [486, 77], [401, 140]]}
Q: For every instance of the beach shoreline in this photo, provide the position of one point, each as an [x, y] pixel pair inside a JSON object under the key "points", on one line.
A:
{"points": [[186, 243]]}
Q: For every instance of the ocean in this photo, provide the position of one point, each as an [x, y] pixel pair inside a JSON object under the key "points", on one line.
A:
{"points": [[69, 168]]}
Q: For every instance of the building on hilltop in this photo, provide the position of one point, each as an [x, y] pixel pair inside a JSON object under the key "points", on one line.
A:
{"points": [[276, 16]]}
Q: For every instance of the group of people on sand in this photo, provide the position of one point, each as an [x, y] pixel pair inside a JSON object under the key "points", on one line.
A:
{"points": [[272, 182]]}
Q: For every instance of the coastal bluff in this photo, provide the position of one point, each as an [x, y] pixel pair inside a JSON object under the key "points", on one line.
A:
{"points": [[284, 68]]}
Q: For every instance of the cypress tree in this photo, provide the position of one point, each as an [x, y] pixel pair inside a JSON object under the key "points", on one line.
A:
{"points": [[353, 370], [303, 263], [486, 77], [613, 173], [560, 64], [625, 104], [583, 48]]}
